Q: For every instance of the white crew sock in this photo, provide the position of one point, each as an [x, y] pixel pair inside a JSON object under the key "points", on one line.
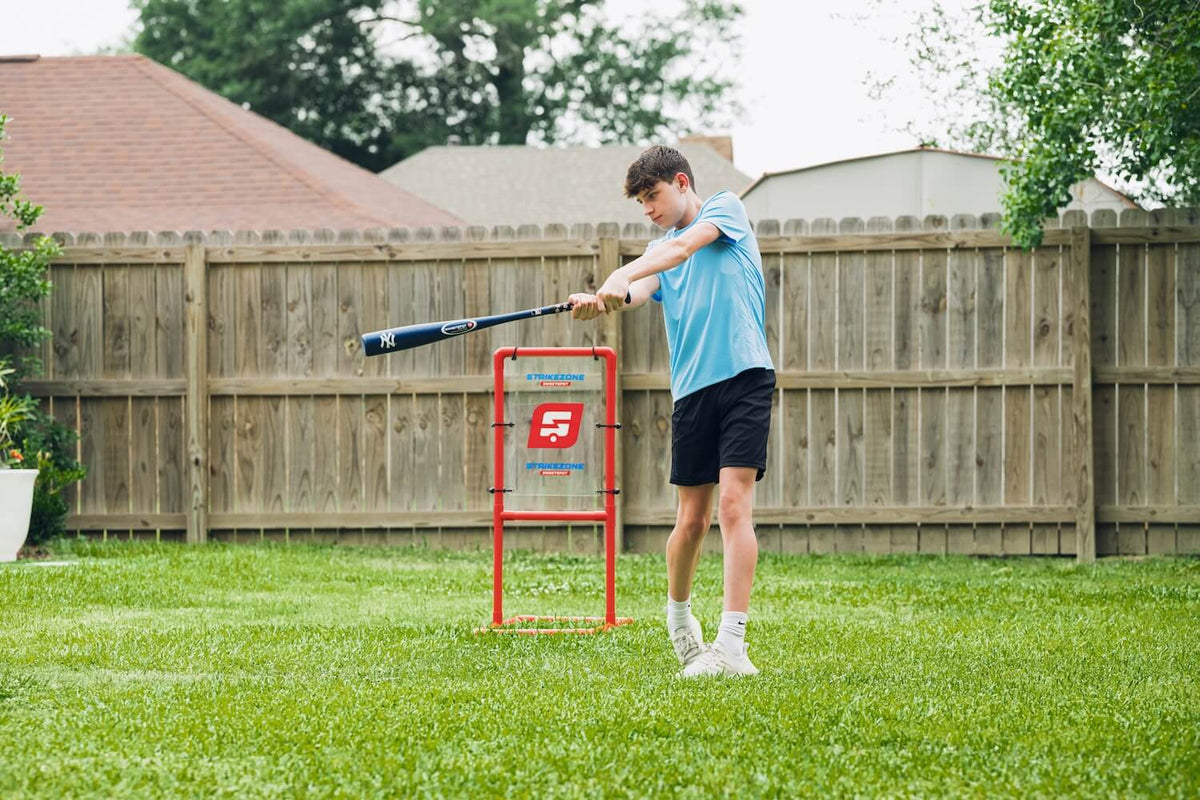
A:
{"points": [[732, 633], [678, 612]]}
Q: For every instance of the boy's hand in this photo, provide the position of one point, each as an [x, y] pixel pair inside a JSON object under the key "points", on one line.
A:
{"points": [[586, 306], [613, 293]]}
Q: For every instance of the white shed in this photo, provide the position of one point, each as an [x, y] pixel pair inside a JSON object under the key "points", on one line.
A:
{"points": [[916, 182]]}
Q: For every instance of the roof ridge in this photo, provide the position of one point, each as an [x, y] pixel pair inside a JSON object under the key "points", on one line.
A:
{"points": [[149, 67]]}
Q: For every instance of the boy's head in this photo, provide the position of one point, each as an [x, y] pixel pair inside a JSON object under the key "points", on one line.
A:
{"points": [[660, 179]]}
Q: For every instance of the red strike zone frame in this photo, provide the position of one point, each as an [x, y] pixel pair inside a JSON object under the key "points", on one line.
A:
{"points": [[608, 516]]}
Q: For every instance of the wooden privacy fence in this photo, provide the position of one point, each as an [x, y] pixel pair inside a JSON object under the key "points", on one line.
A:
{"points": [[939, 391]]}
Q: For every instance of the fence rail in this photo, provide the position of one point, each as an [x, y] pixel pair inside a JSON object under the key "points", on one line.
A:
{"points": [[938, 390]]}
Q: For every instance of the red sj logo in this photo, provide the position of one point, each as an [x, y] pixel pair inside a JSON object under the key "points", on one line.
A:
{"points": [[555, 425]]}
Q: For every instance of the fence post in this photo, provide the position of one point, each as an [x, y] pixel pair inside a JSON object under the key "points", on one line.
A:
{"points": [[609, 261], [1081, 411], [195, 296]]}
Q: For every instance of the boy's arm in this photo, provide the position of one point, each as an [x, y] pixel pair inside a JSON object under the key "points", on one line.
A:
{"points": [[663, 257]]}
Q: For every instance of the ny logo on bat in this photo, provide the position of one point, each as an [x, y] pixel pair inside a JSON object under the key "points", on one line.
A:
{"points": [[387, 340], [555, 425]]}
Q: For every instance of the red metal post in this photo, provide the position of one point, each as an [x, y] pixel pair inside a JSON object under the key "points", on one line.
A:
{"points": [[498, 496]]}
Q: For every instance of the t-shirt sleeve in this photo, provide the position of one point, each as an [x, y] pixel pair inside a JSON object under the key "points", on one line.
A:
{"points": [[728, 214]]}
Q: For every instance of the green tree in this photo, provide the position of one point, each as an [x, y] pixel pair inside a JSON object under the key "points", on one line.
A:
{"points": [[377, 80], [1080, 86]]}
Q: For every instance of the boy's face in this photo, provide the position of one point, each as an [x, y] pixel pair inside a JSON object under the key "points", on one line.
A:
{"points": [[665, 203]]}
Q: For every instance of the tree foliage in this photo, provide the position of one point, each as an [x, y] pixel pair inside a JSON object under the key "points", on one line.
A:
{"points": [[1081, 86], [377, 80]]}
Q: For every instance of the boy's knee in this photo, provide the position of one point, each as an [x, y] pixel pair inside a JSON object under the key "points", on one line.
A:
{"points": [[693, 526], [734, 510]]}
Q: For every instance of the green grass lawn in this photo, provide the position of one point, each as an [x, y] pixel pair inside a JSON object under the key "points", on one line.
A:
{"points": [[276, 671]]}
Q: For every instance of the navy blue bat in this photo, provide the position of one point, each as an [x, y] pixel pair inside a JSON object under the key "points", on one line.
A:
{"points": [[378, 343]]}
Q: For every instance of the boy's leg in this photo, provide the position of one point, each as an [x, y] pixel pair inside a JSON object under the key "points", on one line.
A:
{"points": [[736, 517], [727, 654], [683, 552], [692, 520]]}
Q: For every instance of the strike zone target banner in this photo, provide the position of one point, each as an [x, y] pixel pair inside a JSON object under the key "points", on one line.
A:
{"points": [[554, 448]]}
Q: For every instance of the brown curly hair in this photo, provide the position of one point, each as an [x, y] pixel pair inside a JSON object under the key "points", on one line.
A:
{"points": [[659, 163]]}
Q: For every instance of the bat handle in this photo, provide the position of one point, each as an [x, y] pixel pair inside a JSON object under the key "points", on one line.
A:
{"points": [[628, 300]]}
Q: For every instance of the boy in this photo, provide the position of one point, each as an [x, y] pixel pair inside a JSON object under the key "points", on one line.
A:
{"points": [[707, 273]]}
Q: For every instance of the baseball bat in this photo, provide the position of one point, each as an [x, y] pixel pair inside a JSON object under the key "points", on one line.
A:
{"points": [[392, 340]]}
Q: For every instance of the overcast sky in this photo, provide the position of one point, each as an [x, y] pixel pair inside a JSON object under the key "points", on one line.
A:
{"points": [[802, 71]]}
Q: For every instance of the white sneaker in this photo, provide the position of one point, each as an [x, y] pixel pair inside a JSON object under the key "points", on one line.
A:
{"points": [[688, 642], [717, 661]]}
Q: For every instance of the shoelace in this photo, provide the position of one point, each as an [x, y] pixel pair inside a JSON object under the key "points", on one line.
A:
{"points": [[684, 643]]}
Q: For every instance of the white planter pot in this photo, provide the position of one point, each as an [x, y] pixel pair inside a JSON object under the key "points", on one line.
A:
{"points": [[16, 503]]}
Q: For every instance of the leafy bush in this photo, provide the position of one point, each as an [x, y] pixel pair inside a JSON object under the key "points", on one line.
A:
{"points": [[54, 446]]}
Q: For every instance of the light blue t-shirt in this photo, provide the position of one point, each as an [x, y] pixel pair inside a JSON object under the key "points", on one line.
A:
{"points": [[714, 303]]}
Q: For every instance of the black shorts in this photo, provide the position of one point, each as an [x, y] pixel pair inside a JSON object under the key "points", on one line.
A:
{"points": [[723, 425]]}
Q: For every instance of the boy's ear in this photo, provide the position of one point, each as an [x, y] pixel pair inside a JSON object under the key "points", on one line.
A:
{"points": [[681, 180]]}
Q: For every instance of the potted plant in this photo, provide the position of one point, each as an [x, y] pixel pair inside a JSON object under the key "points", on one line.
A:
{"points": [[16, 481]]}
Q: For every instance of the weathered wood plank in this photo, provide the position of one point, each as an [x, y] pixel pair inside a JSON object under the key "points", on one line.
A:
{"points": [[878, 269], [823, 450], [851, 302], [907, 337], [989, 448], [796, 449], [273, 353], [1102, 281], [64, 328], [960, 446], [877, 484], [327, 470], [932, 459], [773, 280], [1047, 443], [168, 461], [116, 322], [350, 358], [300, 447], [452, 442], [325, 344], [851, 461], [905, 447], [426, 478], [824, 306], [248, 454], [350, 453], [172, 337], [990, 292], [143, 339], [247, 312], [143, 454], [1017, 443], [274, 457], [1047, 279], [115, 457], [794, 343]]}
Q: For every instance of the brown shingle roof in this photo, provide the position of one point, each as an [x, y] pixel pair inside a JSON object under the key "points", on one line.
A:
{"points": [[121, 143], [515, 184]]}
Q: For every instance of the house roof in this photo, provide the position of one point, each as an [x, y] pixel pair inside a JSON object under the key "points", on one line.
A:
{"points": [[121, 143], [515, 184], [767, 175]]}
